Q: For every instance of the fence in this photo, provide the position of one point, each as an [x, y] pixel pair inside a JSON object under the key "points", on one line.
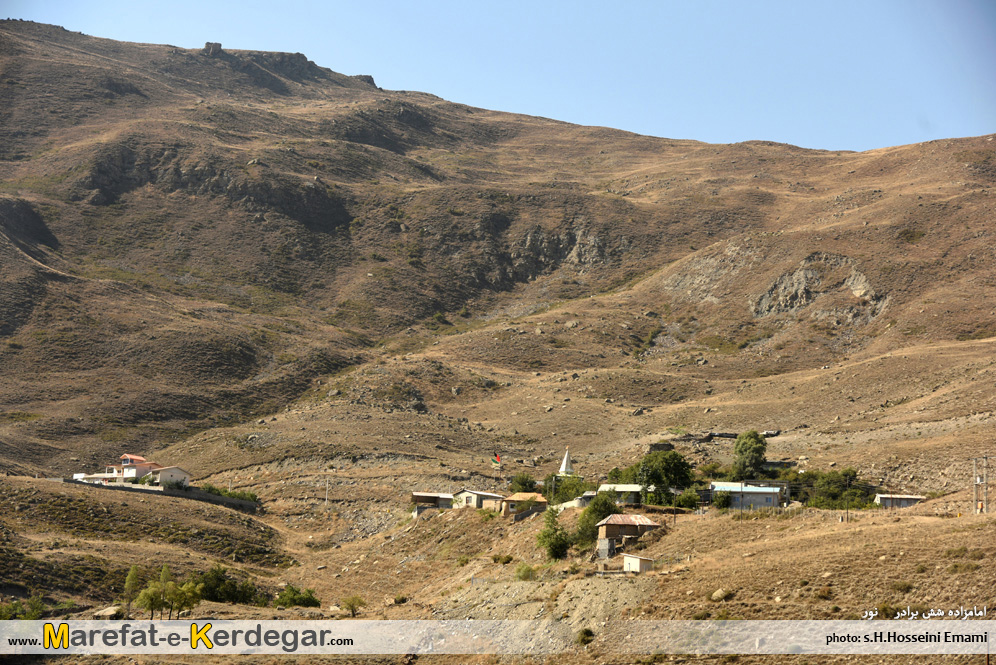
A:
{"points": [[189, 493]]}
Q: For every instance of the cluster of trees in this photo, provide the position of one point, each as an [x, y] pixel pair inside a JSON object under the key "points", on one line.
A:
{"points": [[245, 495], [161, 594]]}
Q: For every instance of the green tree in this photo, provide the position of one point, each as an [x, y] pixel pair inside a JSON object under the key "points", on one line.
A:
{"points": [[603, 505], [183, 597], [722, 499], [165, 577], [151, 598], [132, 586], [749, 451], [352, 604], [558, 489], [523, 482], [688, 499], [663, 469], [553, 537]]}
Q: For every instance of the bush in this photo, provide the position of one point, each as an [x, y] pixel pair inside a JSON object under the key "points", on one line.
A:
{"points": [[902, 586], [400, 600], [486, 515], [522, 482], [463, 560], [502, 558], [722, 499], [245, 495], [291, 596], [32, 611], [824, 593], [584, 636], [352, 604], [688, 499], [524, 572], [220, 587]]}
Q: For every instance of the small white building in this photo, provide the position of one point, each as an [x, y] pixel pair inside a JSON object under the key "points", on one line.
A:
{"points": [[898, 500], [473, 498], [637, 564], [751, 497], [626, 495], [170, 474]]}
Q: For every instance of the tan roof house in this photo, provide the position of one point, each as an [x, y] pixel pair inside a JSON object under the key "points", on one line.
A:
{"points": [[511, 505]]}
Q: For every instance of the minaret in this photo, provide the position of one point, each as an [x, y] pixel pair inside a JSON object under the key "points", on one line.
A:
{"points": [[566, 467]]}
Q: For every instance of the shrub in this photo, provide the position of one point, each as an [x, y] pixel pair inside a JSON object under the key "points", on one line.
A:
{"points": [[524, 572], [824, 593], [400, 600], [352, 604], [902, 586], [522, 482], [688, 499], [486, 515], [220, 587], [463, 560], [291, 596], [584, 636], [722, 499], [553, 537], [502, 558]]}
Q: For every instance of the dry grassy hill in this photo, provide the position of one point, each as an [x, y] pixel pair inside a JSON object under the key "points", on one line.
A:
{"points": [[281, 277]]}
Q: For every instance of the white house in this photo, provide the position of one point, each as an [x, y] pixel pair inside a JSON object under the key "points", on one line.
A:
{"points": [[626, 495], [170, 474], [473, 498], [750, 497], [131, 466], [898, 500]]}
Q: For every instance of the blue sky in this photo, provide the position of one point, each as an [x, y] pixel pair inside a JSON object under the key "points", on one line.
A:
{"points": [[839, 75]]}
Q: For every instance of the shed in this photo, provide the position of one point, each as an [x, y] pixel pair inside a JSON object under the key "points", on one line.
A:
{"points": [[637, 564], [473, 498], [898, 500], [427, 500]]}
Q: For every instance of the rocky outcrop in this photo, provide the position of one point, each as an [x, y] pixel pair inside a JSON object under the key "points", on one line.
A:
{"points": [[846, 293]]}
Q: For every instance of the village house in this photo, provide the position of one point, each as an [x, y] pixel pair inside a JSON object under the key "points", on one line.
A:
{"points": [[898, 500], [749, 497], [637, 564], [430, 500], [616, 530], [511, 505], [626, 495], [130, 469], [474, 499]]}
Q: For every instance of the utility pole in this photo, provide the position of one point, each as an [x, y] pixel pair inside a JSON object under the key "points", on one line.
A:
{"points": [[985, 483], [326, 491], [975, 486]]}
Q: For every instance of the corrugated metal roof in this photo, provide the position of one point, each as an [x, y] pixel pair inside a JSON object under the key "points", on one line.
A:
{"points": [[431, 495], [479, 493], [630, 520], [633, 556], [900, 496], [738, 488]]}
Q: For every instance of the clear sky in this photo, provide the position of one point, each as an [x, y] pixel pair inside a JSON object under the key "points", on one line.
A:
{"points": [[839, 74]]}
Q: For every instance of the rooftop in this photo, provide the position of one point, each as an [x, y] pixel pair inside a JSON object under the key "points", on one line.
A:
{"points": [[631, 520], [741, 488], [526, 496]]}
